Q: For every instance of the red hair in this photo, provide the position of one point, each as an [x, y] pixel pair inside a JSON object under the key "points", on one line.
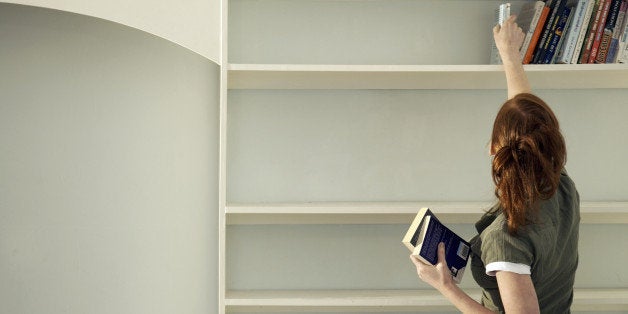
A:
{"points": [[529, 154]]}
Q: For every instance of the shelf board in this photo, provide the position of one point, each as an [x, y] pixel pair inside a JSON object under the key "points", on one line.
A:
{"points": [[392, 300], [308, 76], [350, 212], [393, 212], [339, 300]]}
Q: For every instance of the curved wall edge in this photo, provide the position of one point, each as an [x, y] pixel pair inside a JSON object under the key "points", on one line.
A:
{"points": [[109, 148], [194, 25]]}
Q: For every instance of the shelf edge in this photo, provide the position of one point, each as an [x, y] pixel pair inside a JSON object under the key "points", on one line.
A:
{"points": [[440, 77], [606, 299], [393, 212]]}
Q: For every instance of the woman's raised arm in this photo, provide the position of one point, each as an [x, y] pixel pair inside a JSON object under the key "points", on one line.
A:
{"points": [[508, 39]]}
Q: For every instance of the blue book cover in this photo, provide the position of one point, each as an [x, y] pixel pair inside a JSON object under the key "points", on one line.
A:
{"points": [[557, 35], [430, 233], [550, 24], [612, 51], [618, 30]]}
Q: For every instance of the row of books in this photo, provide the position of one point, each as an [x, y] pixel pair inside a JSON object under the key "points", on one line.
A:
{"points": [[571, 31]]}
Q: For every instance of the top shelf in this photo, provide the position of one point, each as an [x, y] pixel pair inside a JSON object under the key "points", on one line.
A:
{"points": [[307, 76]]}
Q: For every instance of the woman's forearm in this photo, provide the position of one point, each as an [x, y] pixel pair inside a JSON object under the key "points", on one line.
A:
{"points": [[508, 39], [516, 78], [462, 301]]}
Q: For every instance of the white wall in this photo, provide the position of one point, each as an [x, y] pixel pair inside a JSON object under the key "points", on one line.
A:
{"points": [[194, 24], [108, 168], [361, 32], [405, 145]]}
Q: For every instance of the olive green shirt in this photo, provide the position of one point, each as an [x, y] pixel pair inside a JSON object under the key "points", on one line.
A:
{"points": [[549, 247]]}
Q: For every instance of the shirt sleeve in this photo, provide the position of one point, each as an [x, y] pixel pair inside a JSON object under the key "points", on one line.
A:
{"points": [[504, 252], [516, 268]]}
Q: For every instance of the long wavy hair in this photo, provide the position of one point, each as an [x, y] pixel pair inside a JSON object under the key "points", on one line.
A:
{"points": [[528, 155]]}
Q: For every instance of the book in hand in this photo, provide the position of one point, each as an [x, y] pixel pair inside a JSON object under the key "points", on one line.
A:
{"points": [[423, 237]]}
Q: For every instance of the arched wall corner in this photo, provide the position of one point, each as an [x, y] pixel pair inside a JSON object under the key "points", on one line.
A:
{"points": [[109, 148], [193, 24]]}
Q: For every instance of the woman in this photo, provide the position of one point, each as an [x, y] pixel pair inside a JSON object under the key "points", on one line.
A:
{"points": [[526, 253]]}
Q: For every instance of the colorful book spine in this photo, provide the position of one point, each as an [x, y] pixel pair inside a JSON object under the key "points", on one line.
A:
{"points": [[622, 50], [617, 32], [565, 54], [588, 42], [561, 42], [599, 31], [591, 9], [607, 33], [558, 34], [529, 19], [550, 24], [527, 59]]}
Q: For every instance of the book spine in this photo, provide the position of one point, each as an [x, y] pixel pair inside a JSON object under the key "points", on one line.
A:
{"points": [[561, 42], [607, 33], [612, 51], [535, 37], [622, 54], [617, 32], [605, 43], [556, 37], [588, 42], [412, 237], [583, 31], [565, 54], [549, 24], [599, 31], [538, 10]]}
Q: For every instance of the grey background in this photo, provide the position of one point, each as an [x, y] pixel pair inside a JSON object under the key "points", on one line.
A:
{"points": [[108, 168]]}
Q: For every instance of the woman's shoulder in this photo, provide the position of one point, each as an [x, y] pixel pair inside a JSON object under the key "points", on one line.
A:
{"points": [[498, 228], [567, 187], [499, 245]]}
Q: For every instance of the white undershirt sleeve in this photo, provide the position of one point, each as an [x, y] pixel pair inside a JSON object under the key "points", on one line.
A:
{"points": [[521, 269]]}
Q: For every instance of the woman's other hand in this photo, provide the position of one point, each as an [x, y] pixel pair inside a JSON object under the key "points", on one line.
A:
{"points": [[437, 276]]}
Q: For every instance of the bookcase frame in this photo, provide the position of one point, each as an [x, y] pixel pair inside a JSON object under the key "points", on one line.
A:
{"points": [[356, 77]]}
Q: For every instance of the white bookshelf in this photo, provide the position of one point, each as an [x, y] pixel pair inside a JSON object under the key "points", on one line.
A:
{"points": [[309, 76], [286, 51], [392, 300], [393, 212]]}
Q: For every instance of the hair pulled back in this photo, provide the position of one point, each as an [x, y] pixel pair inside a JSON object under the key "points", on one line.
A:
{"points": [[529, 154]]}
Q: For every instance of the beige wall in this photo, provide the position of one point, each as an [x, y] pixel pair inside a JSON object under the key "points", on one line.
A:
{"points": [[108, 168]]}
